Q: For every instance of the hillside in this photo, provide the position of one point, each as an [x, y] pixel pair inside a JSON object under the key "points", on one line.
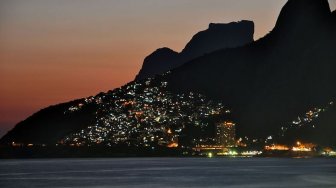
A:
{"points": [[268, 82], [265, 85]]}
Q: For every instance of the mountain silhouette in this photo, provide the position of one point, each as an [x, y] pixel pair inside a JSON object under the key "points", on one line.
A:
{"points": [[270, 81], [298, 14], [50, 124], [217, 36], [266, 83]]}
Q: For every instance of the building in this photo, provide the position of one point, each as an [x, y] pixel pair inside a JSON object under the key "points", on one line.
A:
{"points": [[226, 133]]}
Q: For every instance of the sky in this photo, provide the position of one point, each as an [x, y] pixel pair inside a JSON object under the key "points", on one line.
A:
{"points": [[56, 51]]}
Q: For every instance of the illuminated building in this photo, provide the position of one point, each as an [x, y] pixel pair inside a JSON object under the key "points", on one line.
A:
{"points": [[17, 144], [276, 147], [329, 152], [226, 133], [303, 147], [172, 145]]}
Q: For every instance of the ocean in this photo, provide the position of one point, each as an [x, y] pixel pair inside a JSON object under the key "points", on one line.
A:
{"points": [[169, 172]]}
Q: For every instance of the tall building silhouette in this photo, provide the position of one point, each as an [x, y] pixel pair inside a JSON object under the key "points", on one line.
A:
{"points": [[226, 133]]}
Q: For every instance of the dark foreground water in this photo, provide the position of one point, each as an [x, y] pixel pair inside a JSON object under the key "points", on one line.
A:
{"points": [[169, 172]]}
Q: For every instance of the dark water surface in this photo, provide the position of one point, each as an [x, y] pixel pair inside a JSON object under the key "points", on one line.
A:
{"points": [[169, 172]]}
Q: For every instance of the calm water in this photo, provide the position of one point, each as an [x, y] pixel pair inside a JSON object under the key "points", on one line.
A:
{"points": [[169, 172]]}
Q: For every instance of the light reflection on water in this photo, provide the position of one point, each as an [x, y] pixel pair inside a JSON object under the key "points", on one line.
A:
{"points": [[169, 172]]}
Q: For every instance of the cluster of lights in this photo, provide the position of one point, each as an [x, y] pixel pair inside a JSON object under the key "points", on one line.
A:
{"points": [[298, 147], [232, 153], [143, 114], [329, 152], [276, 147], [307, 118], [302, 147], [146, 114], [228, 153]]}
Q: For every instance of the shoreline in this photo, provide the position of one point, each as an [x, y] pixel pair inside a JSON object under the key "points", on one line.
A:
{"points": [[107, 152]]}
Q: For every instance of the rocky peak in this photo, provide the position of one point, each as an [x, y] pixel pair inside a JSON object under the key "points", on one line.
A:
{"points": [[302, 13], [217, 36]]}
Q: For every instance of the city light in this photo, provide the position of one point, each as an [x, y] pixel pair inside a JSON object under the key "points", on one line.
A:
{"points": [[210, 155], [303, 147], [277, 147]]}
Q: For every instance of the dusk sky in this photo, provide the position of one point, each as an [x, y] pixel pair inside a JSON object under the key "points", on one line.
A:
{"points": [[56, 51]]}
